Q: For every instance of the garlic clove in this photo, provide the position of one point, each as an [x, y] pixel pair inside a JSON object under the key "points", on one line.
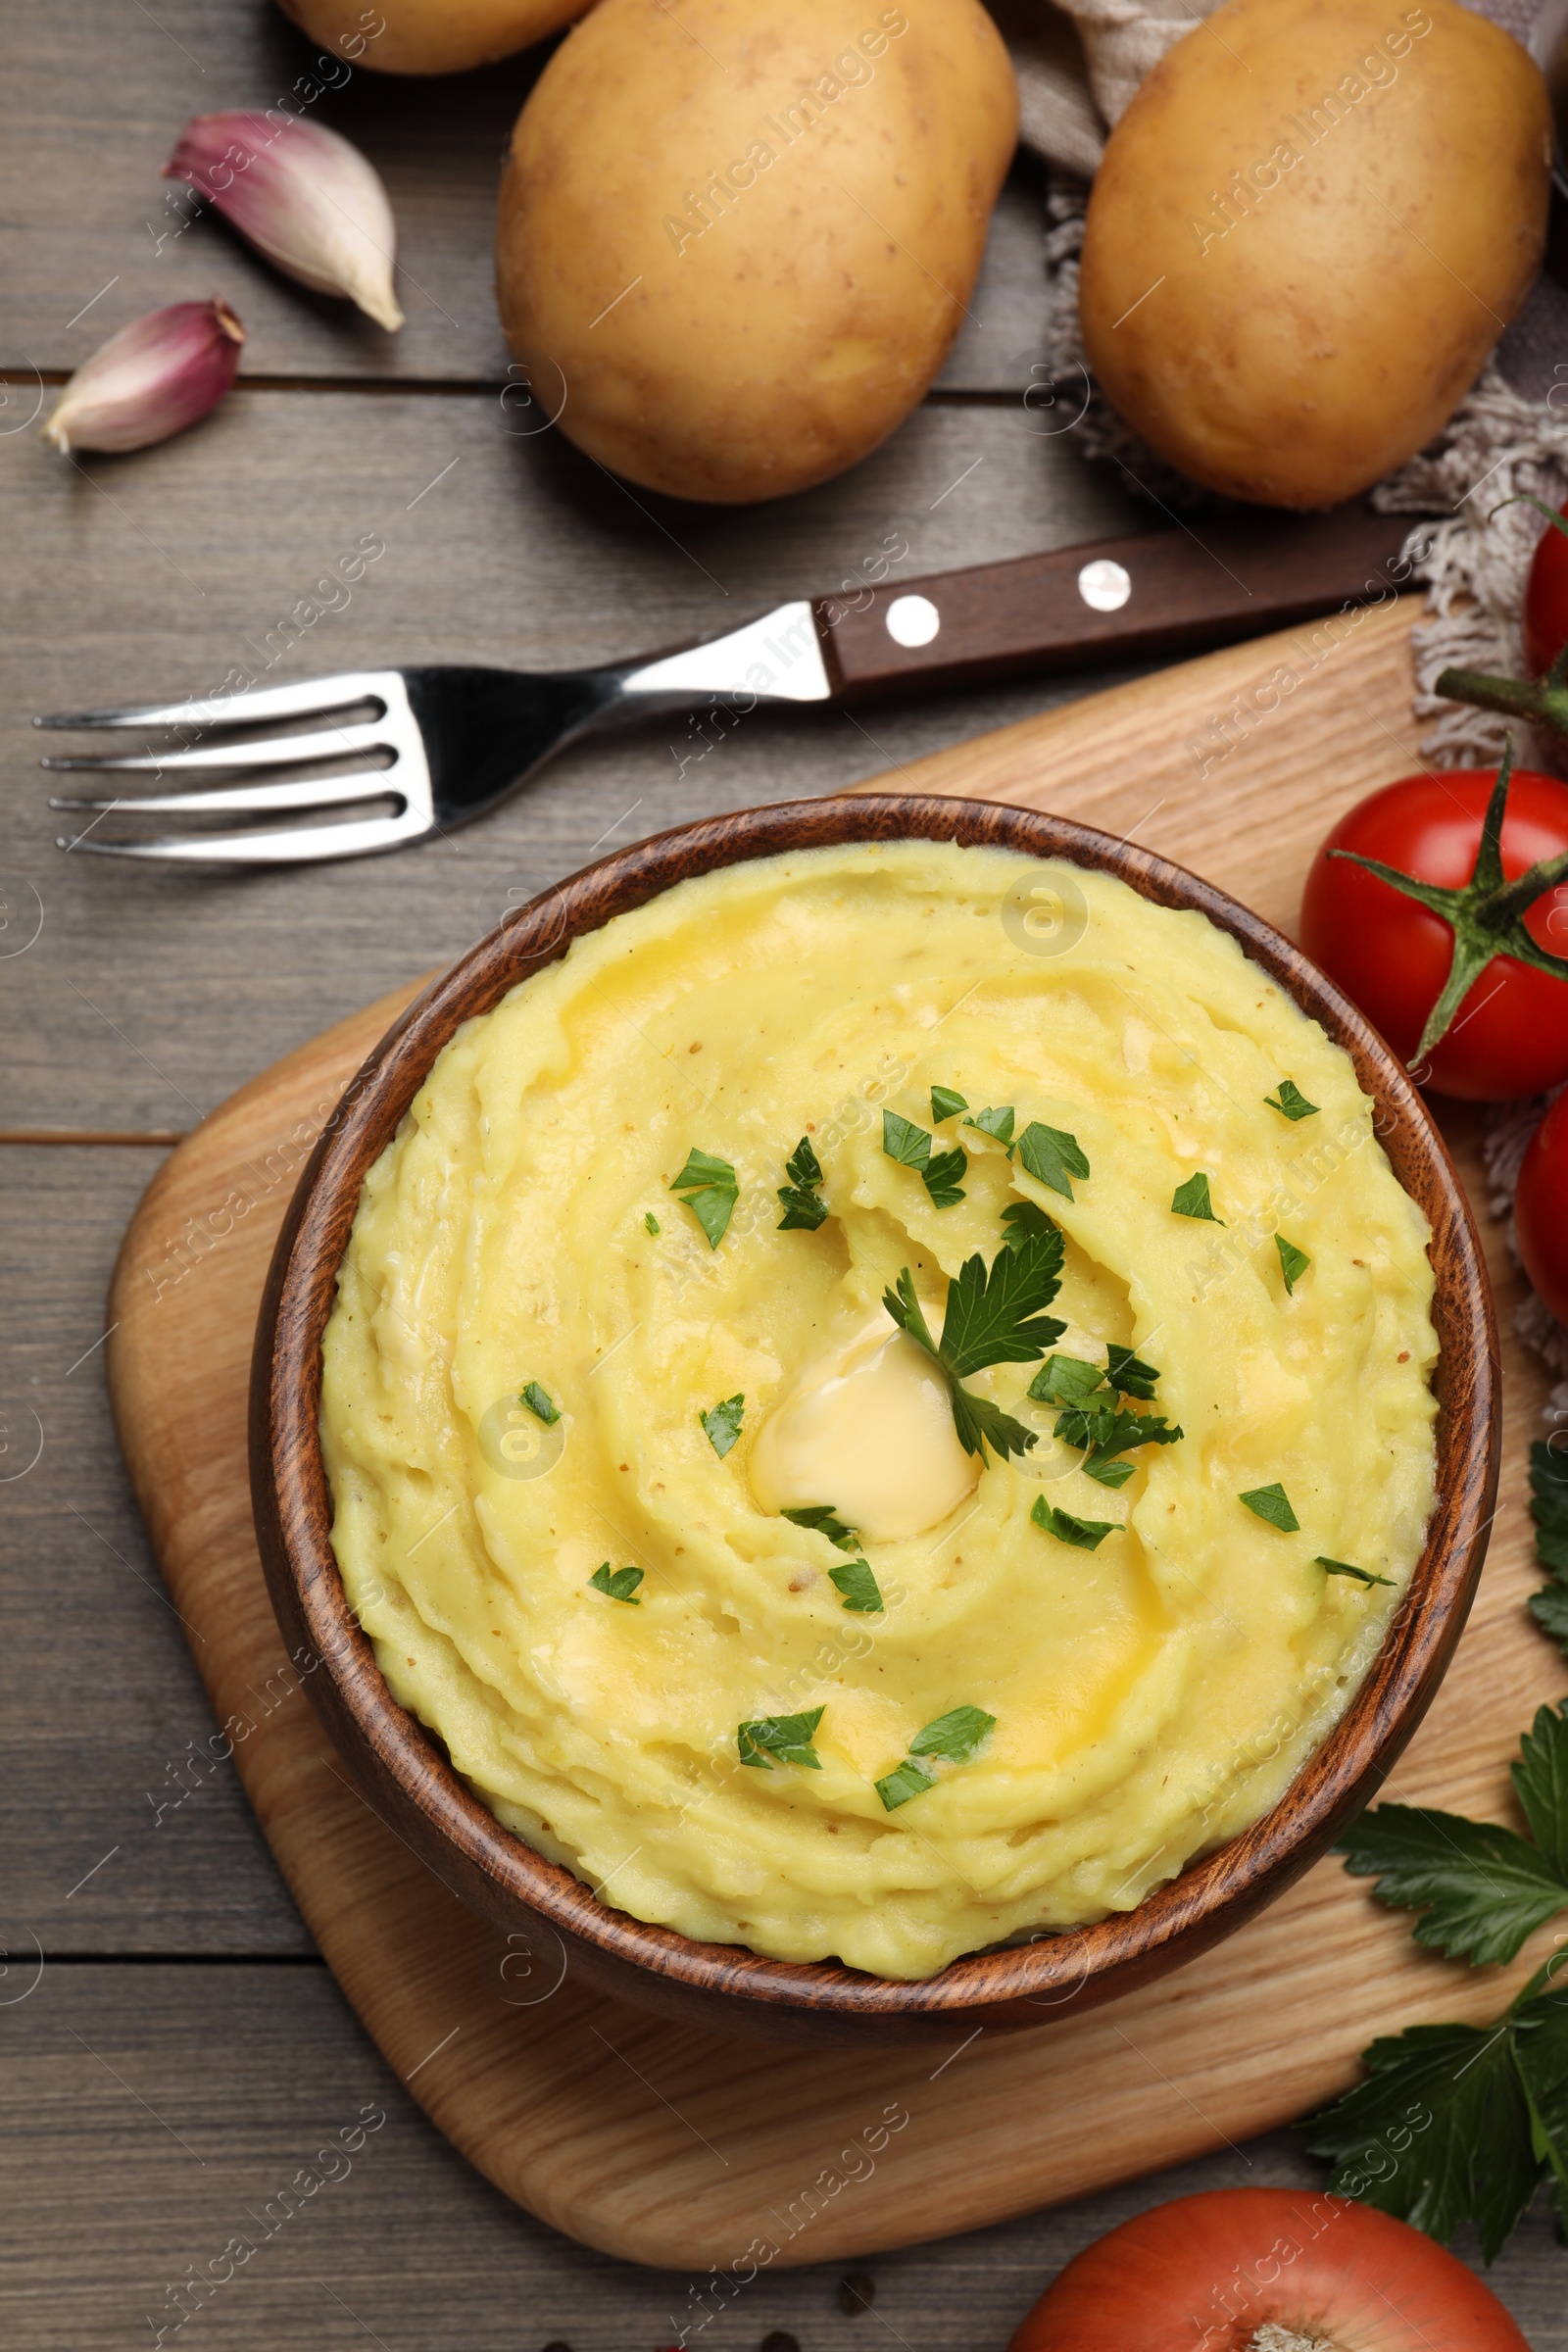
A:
{"points": [[302, 196], [151, 380]]}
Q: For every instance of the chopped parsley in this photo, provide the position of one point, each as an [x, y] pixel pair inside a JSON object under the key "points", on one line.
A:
{"points": [[1052, 1156], [1107, 1433], [956, 1736], [1104, 1430], [1190, 1200], [540, 1403], [1273, 1504], [997, 1124], [652, 1222], [1022, 1221], [1086, 1533], [823, 1517], [804, 1209], [1290, 1102], [1065, 1380], [911, 1145], [989, 1318], [1363, 1576], [1127, 1373], [786, 1737], [860, 1590], [1294, 1262], [618, 1584], [711, 1192], [946, 1103], [722, 1426]]}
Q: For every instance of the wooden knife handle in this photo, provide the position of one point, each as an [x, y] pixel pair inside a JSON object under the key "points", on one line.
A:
{"points": [[1164, 591]]}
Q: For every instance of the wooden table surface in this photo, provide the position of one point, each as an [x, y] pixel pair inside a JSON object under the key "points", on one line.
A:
{"points": [[174, 2050]]}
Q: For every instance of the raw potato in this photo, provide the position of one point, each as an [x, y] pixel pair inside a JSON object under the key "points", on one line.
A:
{"points": [[1310, 227], [736, 241], [429, 36]]}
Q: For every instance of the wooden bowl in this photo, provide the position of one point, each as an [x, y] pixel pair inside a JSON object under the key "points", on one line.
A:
{"points": [[404, 1772]]}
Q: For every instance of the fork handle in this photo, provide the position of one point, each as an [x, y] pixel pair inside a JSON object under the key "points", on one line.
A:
{"points": [[1162, 591]]}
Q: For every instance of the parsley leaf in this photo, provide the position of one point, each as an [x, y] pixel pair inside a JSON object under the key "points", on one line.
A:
{"points": [[906, 1780], [1052, 1156], [1024, 1222], [1439, 2134], [1549, 1508], [904, 1141], [804, 1209], [997, 1124], [946, 1103], [1108, 1433], [652, 1222], [955, 1735], [540, 1403], [723, 1425], [1294, 1262], [1482, 1889], [1128, 1373], [1087, 1534], [1065, 1380], [1540, 1784], [827, 1521], [1290, 1102], [711, 1192], [943, 1176], [860, 1588], [787, 1737], [1362, 1576], [618, 1584], [990, 1318], [1540, 2054], [1273, 1504], [1190, 1200]]}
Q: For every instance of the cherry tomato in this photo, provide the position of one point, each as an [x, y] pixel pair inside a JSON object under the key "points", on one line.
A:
{"points": [[1541, 1209], [1510, 1033], [1545, 612], [1211, 2271]]}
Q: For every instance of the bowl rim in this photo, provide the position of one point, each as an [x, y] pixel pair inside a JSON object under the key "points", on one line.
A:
{"points": [[405, 1770]]}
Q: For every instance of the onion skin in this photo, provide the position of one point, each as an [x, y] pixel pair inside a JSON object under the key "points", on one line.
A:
{"points": [[1204, 2273]]}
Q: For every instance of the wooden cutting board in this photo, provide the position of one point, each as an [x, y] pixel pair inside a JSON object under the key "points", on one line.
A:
{"points": [[677, 2148]]}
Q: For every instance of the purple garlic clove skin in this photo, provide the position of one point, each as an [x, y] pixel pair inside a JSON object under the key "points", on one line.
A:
{"points": [[302, 196], [151, 380]]}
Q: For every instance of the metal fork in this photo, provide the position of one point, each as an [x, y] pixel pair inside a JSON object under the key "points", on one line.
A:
{"points": [[454, 741]]}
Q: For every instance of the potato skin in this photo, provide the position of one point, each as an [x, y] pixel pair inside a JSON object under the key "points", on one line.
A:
{"points": [[429, 36], [1297, 345], [738, 300]]}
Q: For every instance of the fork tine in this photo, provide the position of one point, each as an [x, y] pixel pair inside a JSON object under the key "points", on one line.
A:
{"points": [[255, 800], [309, 846], [303, 700], [282, 751]]}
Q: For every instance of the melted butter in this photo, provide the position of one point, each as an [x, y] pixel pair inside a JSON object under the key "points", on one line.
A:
{"points": [[868, 1428]]}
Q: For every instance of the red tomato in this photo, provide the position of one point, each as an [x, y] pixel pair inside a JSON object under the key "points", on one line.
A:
{"points": [[1545, 612], [1391, 956], [1541, 1209], [1204, 2273]]}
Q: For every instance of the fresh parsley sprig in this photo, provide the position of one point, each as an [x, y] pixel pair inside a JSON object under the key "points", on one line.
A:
{"points": [[956, 1736], [990, 1317], [1104, 1431], [710, 1190], [1022, 1221], [804, 1209], [785, 1736], [1549, 1508]]}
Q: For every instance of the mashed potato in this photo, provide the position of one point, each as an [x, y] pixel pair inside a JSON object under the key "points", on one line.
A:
{"points": [[1103, 1714]]}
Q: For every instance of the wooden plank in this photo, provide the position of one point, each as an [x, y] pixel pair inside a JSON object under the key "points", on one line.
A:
{"points": [[173, 2107], [1255, 2032], [156, 574], [89, 122], [123, 1830]]}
